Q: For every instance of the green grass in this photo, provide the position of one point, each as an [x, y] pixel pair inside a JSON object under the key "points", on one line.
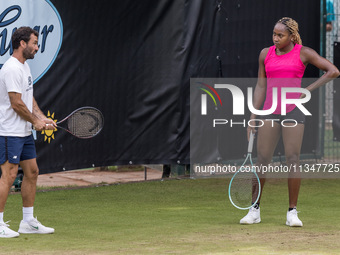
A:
{"points": [[177, 217]]}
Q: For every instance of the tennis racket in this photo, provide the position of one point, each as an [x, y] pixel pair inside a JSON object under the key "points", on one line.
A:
{"points": [[244, 187], [85, 122]]}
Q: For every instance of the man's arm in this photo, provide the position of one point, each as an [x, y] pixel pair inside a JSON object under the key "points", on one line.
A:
{"points": [[50, 124], [21, 109], [40, 115], [37, 112]]}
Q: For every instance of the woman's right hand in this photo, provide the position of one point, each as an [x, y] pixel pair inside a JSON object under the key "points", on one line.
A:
{"points": [[251, 129]]}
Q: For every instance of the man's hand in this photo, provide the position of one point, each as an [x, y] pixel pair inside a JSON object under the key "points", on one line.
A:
{"points": [[39, 125], [50, 124], [329, 26], [44, 124]]}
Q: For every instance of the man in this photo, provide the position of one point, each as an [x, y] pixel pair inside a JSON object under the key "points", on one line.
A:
{"points": [[18, 113], [330, 15]]}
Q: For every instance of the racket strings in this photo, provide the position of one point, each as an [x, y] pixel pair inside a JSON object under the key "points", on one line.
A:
{"points": [[85, 123], [244, 189]]}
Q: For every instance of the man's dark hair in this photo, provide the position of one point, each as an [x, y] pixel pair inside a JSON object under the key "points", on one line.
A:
{"points": [[22, 33]]}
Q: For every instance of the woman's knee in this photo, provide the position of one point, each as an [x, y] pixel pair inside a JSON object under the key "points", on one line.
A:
{"points": [[292, 158], [263, 159]]}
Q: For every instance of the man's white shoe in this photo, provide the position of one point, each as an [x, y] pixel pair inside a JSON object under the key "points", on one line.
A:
{"points": [[252, 217], [293, 219], [34, 227], [6, 232]]}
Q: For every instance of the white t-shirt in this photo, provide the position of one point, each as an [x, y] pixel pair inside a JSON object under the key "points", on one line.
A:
{"points": [[15, 77]]}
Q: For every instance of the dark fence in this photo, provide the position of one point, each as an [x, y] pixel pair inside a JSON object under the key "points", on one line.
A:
{"points": [[133, 60]]}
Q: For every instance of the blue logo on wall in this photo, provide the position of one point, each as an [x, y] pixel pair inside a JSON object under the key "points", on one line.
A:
{"points": [[43, 17]]}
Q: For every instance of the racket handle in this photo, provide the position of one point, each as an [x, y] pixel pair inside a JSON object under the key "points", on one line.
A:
{"points": [[251, 142]]}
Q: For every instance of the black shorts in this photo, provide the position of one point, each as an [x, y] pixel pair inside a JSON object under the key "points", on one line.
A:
{"points": [[294, 116]]}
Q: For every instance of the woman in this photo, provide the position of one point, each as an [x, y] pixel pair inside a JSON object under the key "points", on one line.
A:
{"points": [[286, 60]]}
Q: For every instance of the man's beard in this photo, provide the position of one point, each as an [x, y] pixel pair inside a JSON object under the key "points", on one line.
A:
{"points": [[28, 55]]}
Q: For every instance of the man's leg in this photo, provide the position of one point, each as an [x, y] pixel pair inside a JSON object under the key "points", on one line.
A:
{"points": [[9, 173], [29, 182], [29, 224]]}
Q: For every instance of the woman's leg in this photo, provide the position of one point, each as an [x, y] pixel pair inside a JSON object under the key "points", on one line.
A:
{"points": [[267, 139], [292, 140]]}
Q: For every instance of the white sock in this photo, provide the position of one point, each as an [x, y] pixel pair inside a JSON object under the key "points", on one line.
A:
{"points": [[27, 213], [1, 216]]}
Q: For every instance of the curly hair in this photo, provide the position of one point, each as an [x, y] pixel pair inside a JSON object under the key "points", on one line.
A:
{"points": [[293, 28], [22, 33]]}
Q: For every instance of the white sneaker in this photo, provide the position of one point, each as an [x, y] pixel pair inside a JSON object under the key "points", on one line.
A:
{"points": [[5, 232], [34, 227], [252, 217], [293, 219]]}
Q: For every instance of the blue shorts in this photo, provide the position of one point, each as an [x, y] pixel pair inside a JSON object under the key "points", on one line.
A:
{"points": [[16, 149]]}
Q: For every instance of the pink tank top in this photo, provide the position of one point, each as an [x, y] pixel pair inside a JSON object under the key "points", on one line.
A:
{"points": [[283, 71]]}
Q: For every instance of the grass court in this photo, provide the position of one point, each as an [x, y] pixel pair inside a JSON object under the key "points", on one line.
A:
{"points": [[177, 217]]}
